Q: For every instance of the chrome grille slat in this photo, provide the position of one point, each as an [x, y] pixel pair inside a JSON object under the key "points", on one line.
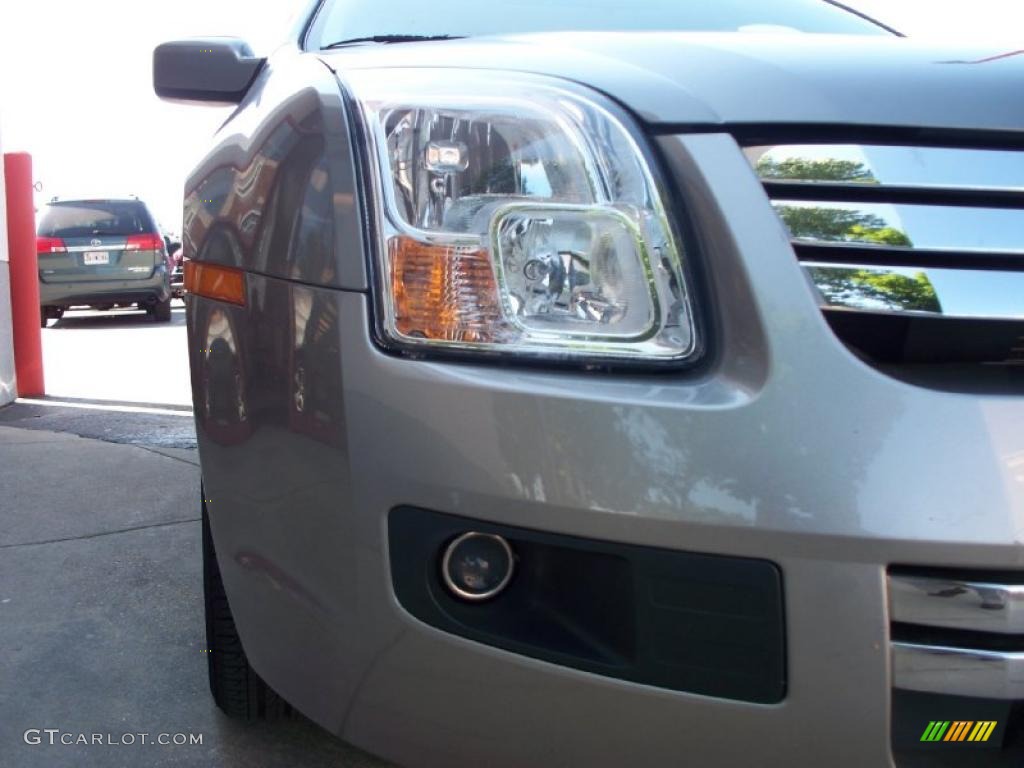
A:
{"points": [[901, 225], [891, 165], [928, 292]]}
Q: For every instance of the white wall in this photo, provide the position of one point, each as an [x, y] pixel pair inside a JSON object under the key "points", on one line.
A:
{"points": [[7, 390]]}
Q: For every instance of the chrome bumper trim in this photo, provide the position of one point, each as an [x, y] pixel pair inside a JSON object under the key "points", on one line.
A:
{"points": [[104, 247], [958, 671], [957, 604]]}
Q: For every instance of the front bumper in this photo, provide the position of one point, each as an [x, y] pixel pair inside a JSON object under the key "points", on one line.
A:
{"points": [[784, 448]]}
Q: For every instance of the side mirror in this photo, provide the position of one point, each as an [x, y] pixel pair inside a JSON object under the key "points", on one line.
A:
{"points": [[213, 70]]}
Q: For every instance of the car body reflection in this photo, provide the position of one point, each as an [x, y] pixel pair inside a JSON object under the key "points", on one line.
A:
{"points": [[225, 410]]}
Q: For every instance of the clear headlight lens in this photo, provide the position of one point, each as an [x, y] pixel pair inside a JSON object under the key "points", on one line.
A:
{"points": [[518, 217]]}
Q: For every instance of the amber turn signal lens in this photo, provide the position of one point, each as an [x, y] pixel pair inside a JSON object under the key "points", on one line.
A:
{"points": [[443, 292], [213, 281]]}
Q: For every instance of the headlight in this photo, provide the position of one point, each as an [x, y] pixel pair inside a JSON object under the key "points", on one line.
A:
{"points": [[517, 217]]}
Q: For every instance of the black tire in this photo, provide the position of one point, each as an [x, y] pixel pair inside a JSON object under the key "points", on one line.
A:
{"points": [[237, 690], [51, 313], [162, 311]]}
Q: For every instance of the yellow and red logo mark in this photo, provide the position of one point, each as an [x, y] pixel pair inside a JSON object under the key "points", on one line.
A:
{"points": [[959, 730]]}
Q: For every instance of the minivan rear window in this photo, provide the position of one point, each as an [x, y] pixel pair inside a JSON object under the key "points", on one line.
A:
{"points": [[95, 217]]}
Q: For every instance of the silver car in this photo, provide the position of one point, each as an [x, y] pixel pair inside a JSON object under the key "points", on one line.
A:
{"points": [[612, 383]]}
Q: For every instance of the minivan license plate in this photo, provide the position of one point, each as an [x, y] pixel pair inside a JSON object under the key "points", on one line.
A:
{"points": [[96, 257]]}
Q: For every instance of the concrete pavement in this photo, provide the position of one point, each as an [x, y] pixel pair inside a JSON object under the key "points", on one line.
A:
{"points": [[101, 623]]}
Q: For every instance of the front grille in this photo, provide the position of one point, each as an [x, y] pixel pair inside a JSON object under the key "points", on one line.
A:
{"points": [[916, 253]]}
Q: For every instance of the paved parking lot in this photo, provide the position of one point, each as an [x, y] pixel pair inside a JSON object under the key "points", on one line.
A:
{"points": [[118, 355], [101, 623]]}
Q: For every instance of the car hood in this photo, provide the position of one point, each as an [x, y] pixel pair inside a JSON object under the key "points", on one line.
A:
{"points": [[686, 78]]}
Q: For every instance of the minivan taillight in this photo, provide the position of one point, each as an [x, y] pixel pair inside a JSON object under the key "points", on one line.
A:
{"points": [[146, 242], [50, 245]]}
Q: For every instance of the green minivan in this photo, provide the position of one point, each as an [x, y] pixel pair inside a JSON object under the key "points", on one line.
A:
{"points": [[101, 253]]}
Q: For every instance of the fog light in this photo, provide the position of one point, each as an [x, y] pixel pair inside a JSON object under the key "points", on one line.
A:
{"points": [[477, 566]]}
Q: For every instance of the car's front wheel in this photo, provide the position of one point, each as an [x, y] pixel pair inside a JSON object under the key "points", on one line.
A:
{"points": [[236, 688]]}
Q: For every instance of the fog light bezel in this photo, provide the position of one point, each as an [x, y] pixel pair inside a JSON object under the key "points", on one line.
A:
{"points": [[460, 592]]}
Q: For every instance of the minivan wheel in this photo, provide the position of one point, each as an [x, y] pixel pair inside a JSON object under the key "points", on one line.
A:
{"points": [[236, 688], [51, 313], [162, 311]]}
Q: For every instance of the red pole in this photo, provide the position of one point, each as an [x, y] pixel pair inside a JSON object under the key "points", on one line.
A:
{"points": [[21, 239]]}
